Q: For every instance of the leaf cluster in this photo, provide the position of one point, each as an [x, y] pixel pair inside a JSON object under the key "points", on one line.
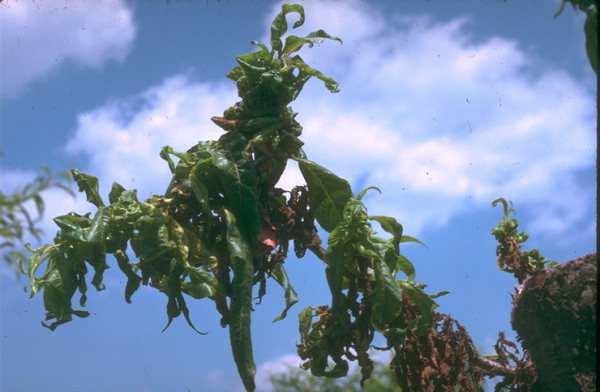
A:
{"points": [[510, 256], [222, 229], [16, 218], [366, 296]]}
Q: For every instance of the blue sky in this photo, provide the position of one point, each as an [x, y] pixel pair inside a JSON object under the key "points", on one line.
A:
{"points": [[443, 105]]}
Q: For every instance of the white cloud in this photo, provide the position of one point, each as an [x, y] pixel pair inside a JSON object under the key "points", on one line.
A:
{"points": [[123, 139], [278, 366], [441, 122], [39, 36], [14, 179], [288, 363]]}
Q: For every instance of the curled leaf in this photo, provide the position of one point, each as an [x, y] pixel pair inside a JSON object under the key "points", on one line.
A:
{"points": [[279, 26], [89, 185]]}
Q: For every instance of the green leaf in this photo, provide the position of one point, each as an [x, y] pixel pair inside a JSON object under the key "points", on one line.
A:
{"points": [[165, 153], [89, 185], [392, 226], [388, 296], [407, 238], [96, 231], [389, 224], [217, 174], [304, 322], [294, 43], [336, 268], [291, 297], [36, 259], [115, 192], [186, 314], [364, 192], [73, 226], [506, 206], [202, 285], [263, 48], [39, 204], [198, 290], [241, 301], [328, 193], [308, 71], [239, 196], [133, 280], [250, 63], [81, 313], [406, 266], [591, 37], [199, 189], [321, 34], [279, 26], [439, 294], [236, 74]]}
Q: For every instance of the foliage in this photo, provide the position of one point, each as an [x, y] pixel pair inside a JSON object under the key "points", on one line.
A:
{"points": [[365, 296], [590, 8], [222, 227], [510, 257], [16, 220], [517, 372]]}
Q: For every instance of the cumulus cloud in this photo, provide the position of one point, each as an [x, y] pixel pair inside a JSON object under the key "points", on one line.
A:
{"points": [[14, 179], [440, 121], [123, 138], [278, 366], [289, 363], [39, 36], [446, 122]]}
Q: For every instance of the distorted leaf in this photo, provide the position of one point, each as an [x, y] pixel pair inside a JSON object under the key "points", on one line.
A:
{"points": [[88, 184], [291, 297], [294, 43], [327, 192], [115, 191], [309, 71], [279, 26], [392, 226]]}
